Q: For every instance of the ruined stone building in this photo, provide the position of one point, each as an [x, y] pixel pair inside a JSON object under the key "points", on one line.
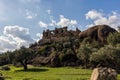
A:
{"points": [[59, 32]]}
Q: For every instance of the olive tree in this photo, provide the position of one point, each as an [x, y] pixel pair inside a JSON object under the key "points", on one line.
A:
{"points": [[23, 55], [107, 56], [84, 54]]}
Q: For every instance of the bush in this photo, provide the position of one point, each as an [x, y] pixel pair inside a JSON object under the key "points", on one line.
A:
{"points": [[87, 40], [114, 38], [54, 60], [68, 58], [107, 56], [67, 44], [84, 54]]}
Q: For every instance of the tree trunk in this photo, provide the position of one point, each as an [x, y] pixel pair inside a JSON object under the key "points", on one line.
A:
{"points": [[24, 64], [25, 67]]}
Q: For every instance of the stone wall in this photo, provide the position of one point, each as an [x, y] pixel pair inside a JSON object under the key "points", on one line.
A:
{"points": [[59, 32]]}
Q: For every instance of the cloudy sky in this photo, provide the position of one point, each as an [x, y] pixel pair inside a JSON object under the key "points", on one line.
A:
{"points": [[22, 21]]}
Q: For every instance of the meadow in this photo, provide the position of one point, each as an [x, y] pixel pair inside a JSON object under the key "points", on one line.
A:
{"points": [[46, 73]]}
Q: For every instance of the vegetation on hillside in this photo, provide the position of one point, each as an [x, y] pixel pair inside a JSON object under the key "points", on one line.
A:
{"points": [[73, 50]]}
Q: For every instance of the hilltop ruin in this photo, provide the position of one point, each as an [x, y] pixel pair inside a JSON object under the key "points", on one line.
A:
{"points": [[59, 32]]}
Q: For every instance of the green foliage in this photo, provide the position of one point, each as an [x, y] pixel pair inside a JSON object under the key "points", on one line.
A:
{"points": [[6, 58], [23, 55], [67, 44], [87, 40], [41, 51], [95, 44], [114, 38], [67, 57], [54, 59], [84, 54], [106, 56]]}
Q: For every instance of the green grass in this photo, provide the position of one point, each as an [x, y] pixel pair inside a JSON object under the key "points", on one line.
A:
{"points": [[45, 73]]}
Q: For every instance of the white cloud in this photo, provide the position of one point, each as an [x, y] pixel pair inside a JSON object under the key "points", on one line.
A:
{"points": [[42, 24], [39, 35], [93, 14], [29, 17], [98, 18], [14, 37], [48, 11], [73, 22], [30, 14], [66, 22], [61, 23], [6, 44]]}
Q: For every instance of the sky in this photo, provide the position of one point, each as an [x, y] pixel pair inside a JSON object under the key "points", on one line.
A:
{"points": [[23, 21]]}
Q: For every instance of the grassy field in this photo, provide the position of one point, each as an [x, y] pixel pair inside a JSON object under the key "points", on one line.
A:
{"points": [[45, 73]]}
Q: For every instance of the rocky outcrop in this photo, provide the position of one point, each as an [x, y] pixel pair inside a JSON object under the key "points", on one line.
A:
{"points": [[104, 73], [98, 33], [56, 35], [59, 32]]}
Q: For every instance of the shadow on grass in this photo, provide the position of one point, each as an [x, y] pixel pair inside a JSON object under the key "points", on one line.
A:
{"points": [[32, 70], [73, 74]]}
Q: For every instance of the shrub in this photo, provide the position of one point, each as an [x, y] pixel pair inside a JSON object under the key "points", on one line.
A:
{"points": [[114, 38], [68, 58], [54, 59], [107, 56], [67, 45], [84, 54], [87, 40]]}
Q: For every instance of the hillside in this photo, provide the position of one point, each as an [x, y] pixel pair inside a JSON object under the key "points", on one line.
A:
{"points": [[60, 47], [97, 46]]}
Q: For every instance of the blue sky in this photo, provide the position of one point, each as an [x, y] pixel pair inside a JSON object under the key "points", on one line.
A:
{"points": [[22, 21]]}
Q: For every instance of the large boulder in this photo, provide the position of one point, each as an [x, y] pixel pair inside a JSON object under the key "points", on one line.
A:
{"points": [[104, 73], [99, 33]]}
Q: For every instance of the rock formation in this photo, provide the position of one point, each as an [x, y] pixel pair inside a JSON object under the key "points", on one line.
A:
{"points": [[50, 36], [104, 73], [99, 33], [59, 32]]}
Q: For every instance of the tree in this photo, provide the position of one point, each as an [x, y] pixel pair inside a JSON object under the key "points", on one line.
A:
{"points": [[5, 58], [67, 57], [23, 55], [107, 56], [114, 38], [84, 54]]}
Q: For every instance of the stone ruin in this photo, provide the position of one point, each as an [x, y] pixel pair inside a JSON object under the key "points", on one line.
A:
{"points": [[98, 33], [52, 33], [104, 73], [59, 32]]}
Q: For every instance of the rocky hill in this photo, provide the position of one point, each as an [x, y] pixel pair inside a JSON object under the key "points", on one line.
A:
{"points": [[98, 33], [60, 47]]}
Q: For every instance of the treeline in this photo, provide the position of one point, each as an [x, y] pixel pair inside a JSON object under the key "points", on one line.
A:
{"points": [[69, 51]]}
